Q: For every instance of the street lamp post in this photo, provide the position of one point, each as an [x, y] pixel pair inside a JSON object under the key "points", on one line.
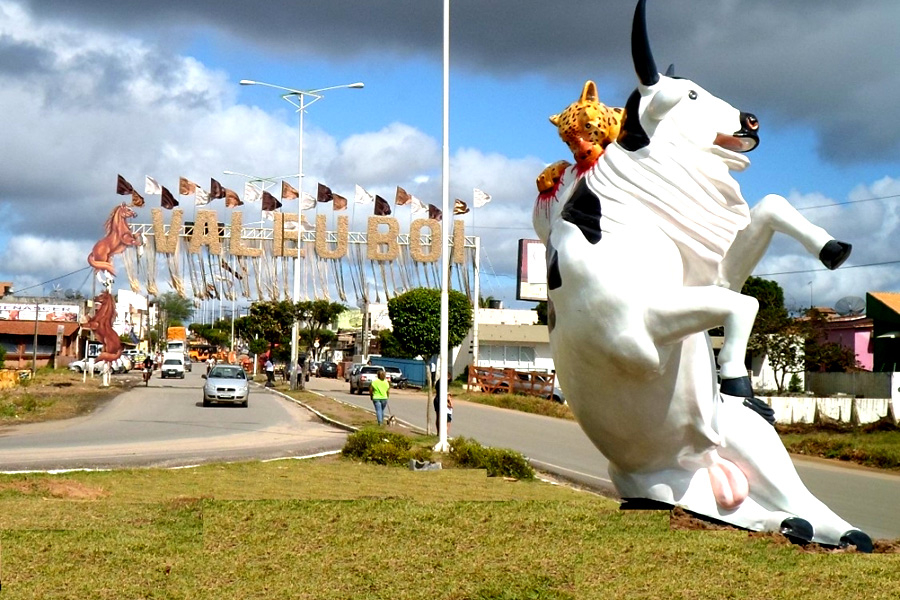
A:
{"points": [[301, 100]]}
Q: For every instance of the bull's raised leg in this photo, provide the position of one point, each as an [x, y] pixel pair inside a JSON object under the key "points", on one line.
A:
{"points": [[690, 310], [774, 213]]}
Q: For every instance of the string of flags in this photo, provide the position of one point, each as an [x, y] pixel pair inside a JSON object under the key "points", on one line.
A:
{"points": [[270, 204]]}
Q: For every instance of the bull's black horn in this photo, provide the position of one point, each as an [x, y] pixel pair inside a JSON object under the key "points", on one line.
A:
{"points": [[644, 65]]}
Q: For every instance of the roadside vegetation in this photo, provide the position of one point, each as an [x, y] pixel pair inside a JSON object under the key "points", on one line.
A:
{"points": [[337, 528], [53, 395], [873, 445]]}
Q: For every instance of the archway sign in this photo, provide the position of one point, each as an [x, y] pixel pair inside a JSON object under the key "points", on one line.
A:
{"points": [[207, 258], [649, 242]]}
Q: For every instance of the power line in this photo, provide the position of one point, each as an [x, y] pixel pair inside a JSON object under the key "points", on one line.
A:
{"points": [[843, 267], [851, 202], [52, 280]]}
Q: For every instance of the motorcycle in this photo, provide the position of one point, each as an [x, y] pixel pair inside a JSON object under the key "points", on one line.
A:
{"points": [[402, 383], [147, 374]]}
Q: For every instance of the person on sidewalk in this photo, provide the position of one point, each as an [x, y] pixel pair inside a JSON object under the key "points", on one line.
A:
{"points": [[437, 407], [379, 392], [270, 373]]}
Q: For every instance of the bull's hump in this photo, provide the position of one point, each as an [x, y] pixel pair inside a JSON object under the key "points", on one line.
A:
{"points": [[583, 210]]}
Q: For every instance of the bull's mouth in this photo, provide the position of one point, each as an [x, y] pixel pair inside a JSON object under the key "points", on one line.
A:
{"points": [[742, 141]]}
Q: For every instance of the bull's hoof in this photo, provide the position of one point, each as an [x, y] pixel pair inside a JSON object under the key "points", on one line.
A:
{"points": [[762, 409], [834, 254], [737, 386], [798, 531], [857, 538]]}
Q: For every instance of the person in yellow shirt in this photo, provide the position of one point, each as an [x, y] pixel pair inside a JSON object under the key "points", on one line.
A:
{"points": [[379, 392]]}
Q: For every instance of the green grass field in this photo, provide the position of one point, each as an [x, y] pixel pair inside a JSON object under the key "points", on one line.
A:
{"points": [[330, 528]]}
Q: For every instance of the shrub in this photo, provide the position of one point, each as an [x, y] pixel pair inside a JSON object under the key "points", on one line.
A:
{"points": [[2, 356], [497, 462], [378, 446]]}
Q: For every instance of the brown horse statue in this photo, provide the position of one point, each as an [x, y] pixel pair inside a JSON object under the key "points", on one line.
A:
{"points": [[118, 236], [102, 326]]}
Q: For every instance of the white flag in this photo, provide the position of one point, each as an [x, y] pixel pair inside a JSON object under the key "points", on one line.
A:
{"points": [[252, 193], [308, 201], [479, 198], [363, 197], [201, 197], [418, 206], [269, 215], [151, 187]]}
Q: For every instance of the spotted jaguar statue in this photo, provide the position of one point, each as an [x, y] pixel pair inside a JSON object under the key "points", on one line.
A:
{"points": [[588, 126]]}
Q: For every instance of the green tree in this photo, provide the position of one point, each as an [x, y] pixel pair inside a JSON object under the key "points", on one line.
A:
{"points": [[823, 356], [317, 316], [541, 309], [774, 333], [416, 320], [390, 347], [177, 309]]}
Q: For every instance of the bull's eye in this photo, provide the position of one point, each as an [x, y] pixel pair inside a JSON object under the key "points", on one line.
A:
{"points": [[692, 95]]}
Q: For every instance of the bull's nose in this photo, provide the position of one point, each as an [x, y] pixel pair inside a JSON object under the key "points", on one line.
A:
{"points": [[749, 122]]}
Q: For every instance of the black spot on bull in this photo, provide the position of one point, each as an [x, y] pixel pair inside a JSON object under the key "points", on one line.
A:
{"points": [[551, 316], [554, 279], [583, 211]]}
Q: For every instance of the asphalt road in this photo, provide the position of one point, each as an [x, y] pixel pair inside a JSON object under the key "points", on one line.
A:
{"points": [[165, 424], [867, 498]]}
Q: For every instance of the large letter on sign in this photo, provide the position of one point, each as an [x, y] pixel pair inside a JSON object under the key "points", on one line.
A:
{"points": [[343, 235], [206, 232], [382, 245], [166, 243], [238, 247], [417, 249]]}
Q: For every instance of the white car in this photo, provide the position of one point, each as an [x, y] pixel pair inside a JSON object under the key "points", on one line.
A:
{"points": [[121, 365], [226, 383], [172, 367]]}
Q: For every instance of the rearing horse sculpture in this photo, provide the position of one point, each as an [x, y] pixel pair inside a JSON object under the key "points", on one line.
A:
{"points": [[646, 251], [118, 236], [102, 325]]}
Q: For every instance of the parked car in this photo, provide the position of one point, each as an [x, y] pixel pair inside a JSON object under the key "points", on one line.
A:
{"points": [[364, 375], [120, 365], [172, 367], [226, 383], [328, 369], [353, 368], [394, 374]]}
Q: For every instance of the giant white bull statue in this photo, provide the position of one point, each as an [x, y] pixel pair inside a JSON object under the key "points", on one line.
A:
{"points": [[646, 251]]}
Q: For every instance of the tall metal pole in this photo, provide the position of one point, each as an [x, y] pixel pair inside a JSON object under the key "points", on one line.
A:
{"points": [[443, 445], [295, 297], [37, 306]]}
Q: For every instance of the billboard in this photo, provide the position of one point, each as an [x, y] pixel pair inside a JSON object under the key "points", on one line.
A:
{"points": [[531, 280]]}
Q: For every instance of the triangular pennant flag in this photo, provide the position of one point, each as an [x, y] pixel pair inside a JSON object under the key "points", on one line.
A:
{"points": [[402, 197], [479, 198], [252, 193], [435, 213], [460, 207], [307, 202], [340, 203], [151, 187], [232, 199], [418, 207], [362, 196], [136, 199], [123, 188], [186, 187], [270, 202], [382, 208], [324, 194], [288, 192], [201, 197], [216, 190], [168, 200]]}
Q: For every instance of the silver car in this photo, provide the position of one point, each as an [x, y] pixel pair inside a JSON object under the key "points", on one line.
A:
{"points": [[226, 383]]}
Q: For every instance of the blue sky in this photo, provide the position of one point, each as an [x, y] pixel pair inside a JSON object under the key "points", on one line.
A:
{"points": [[89, 90]]}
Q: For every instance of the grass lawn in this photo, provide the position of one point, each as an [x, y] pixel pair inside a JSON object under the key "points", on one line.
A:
{"points": [[331, 528], [53, 395]]}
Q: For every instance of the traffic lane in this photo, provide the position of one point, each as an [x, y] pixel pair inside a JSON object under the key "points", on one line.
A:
{"points": [[556, 445], [166, 423], [868, 499]]}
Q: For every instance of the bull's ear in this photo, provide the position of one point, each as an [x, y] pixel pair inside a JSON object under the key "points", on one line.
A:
{"points": [[662, 102], [589, 92], [554, 119]]}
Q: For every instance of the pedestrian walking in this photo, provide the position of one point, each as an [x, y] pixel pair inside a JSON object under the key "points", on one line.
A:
{"points": [[379, 392], [270, 372]]}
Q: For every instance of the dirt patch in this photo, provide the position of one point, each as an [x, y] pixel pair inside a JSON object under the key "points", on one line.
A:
{"points": [[66, 489], [681, 520]]}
